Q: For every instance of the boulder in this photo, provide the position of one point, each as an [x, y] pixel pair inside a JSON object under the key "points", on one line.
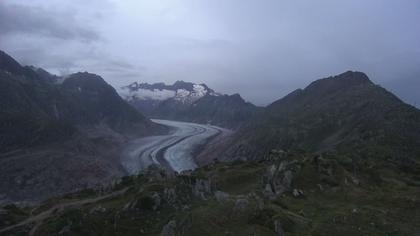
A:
{"points": [[278, 179], [169, 229], [221, 196], [201, 188], [268, 192], [297, 193], [97, 209], [170, 195], [157, 200]]}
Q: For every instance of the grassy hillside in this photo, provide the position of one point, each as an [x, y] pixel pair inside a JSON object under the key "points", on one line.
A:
{"points": [[344, 114], [286, 194]]}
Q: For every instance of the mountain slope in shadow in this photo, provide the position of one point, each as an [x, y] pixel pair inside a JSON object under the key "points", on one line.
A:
{"points": [[346, 113], [60, 134]]}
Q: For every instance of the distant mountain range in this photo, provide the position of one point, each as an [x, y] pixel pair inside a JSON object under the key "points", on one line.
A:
{"points": [[189, 102], [181, 91]]}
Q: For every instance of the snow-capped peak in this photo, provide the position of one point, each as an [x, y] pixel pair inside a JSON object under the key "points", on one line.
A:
{"points": [[181, 91]]}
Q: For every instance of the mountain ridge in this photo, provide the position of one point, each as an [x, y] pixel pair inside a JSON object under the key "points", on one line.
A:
{"points": [[186, 101], [341, 113], [58, 136]]}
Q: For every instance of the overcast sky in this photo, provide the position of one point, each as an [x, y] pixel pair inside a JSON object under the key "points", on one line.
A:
{"points": [[262, 49]]}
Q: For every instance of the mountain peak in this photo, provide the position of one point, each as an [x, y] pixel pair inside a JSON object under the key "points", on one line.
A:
{"points": [[342, 81], [354, 76], [180, 84], [85, 81], [86, 77], [341, 112]]}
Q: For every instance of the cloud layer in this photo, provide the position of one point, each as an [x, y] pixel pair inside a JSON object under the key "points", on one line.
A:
{"points": [[20, 19], [261, 49]]}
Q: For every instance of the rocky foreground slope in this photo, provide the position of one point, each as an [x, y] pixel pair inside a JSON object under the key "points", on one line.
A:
{"points": [[284, 194]]}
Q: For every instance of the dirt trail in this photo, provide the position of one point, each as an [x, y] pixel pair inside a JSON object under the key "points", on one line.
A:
{"points": [[38, 219]]}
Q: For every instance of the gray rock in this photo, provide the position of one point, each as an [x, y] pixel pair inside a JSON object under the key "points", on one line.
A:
{"points": [[127, 206], [287, 179], [221, 196], [169, 229], [278, 228], [297, 192], [268, 192], [97, 209], [320, 187], [170, 195], [130, 205], [278, 178], [355, 180], [157, 200], [201, 188]]}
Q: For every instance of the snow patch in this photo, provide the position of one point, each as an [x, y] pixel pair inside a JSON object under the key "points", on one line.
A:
{"points": [[182, 95], [199, 90], [186, 96], [134, 91]]}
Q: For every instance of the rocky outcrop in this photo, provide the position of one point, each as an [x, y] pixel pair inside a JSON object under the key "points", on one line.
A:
{"points": [[169, 229], [279, 175], [201, 188]]}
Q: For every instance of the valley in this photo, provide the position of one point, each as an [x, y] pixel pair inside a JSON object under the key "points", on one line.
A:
{"points": [[79, 157], [175, 150]]}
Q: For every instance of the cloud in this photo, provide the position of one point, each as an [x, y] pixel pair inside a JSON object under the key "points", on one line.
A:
{"points": [[260, 49], [62, 37], [30, 20]]}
